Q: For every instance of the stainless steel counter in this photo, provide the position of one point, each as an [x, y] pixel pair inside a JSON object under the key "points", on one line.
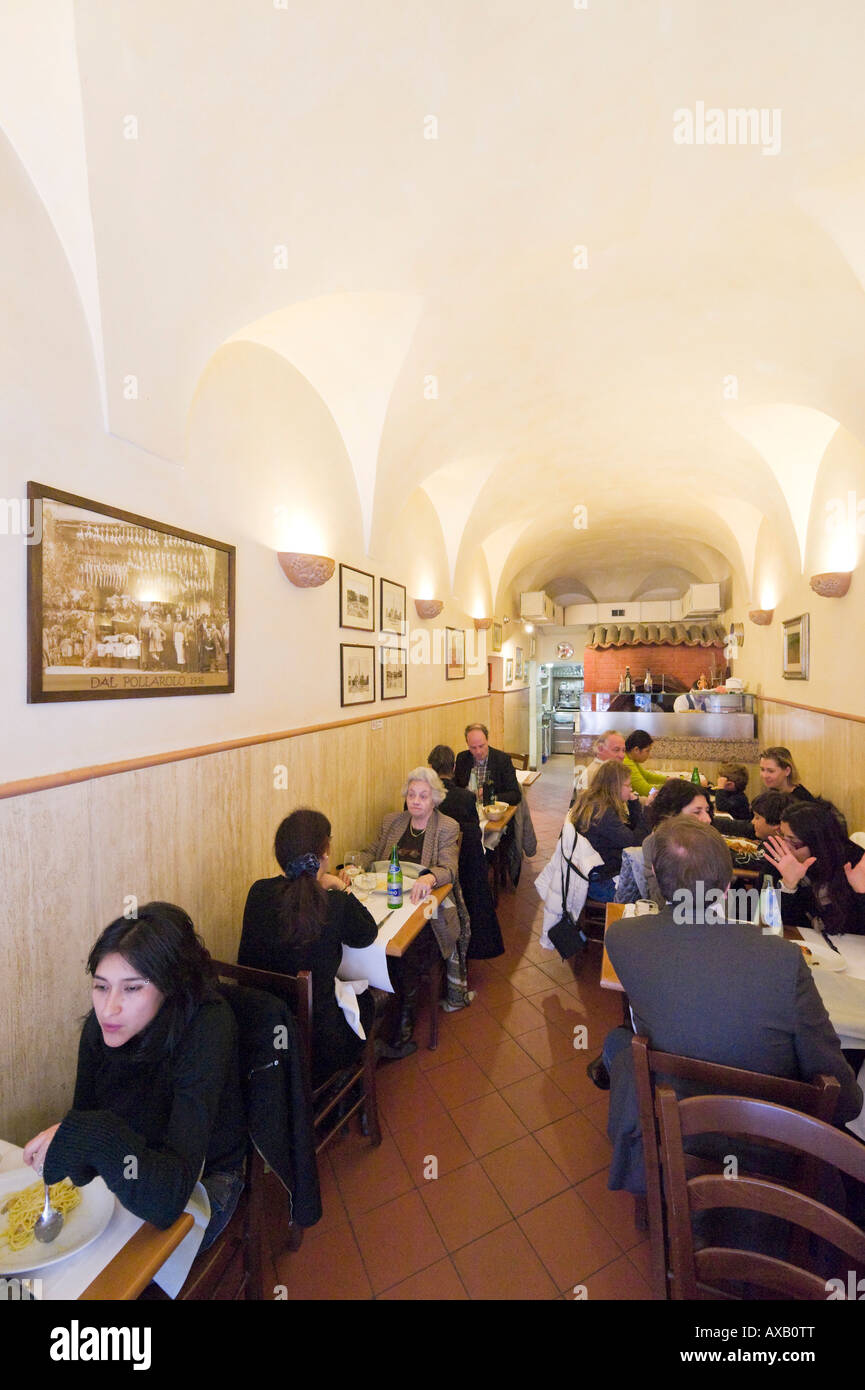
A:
{"points": [[694, 724]]}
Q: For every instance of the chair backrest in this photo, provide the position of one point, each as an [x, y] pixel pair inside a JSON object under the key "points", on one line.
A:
{"points": [[818, 1098], [758, 1119], [296, 990], [520, 760]]}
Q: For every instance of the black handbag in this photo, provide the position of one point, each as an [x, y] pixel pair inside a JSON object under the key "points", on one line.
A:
{"points": [[566, 935]]}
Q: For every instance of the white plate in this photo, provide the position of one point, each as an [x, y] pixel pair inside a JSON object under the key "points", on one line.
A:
{"points": [[80, 1228]]}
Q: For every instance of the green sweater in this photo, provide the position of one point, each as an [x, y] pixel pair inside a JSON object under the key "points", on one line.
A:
{"points": [[642, 780]]}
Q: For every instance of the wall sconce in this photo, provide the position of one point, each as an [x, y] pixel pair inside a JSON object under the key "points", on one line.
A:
{"points": [[761, 616], [505, 621], [483, 624], [831, 585], [305, 571], [428, 607]]}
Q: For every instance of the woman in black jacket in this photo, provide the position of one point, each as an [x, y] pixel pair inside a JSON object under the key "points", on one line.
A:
{"points": [[609, 815], [822, 872], [157, 1094], [300, 921]]}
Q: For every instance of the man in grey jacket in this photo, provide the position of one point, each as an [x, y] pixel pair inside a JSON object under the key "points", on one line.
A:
{"points": [[711, 989]]}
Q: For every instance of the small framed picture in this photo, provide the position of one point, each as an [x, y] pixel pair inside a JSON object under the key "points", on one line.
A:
{"points": [[532, 650], [497, 636], [796, 648], [455, 662], [356, 599], [518, 663], [393, 674], [391, 608], [509, 671], [356, 674]]}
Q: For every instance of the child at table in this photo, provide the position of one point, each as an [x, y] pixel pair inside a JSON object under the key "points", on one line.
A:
{"points": [[730, 798]]}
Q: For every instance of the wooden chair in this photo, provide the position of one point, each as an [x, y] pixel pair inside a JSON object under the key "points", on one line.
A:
{"points": [[332, 1101], [818, 1098], [811, 1139], [520, 760]]}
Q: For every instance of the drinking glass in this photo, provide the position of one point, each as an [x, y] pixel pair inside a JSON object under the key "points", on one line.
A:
{"points": [[353, 863]]}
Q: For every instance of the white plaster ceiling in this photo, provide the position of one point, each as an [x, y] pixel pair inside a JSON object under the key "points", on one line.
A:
{"points": [[224, 170]]}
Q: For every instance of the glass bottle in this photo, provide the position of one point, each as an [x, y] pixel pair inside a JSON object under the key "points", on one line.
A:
{"points": [[770, 908], [695, 777], [394, 880], [647, 682], [629, 685]]}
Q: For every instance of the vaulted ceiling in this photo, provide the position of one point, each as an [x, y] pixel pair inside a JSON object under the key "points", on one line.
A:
{"points": [[471, 228]]}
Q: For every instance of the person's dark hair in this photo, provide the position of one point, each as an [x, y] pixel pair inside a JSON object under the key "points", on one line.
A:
{"points": [[301, 843], [671, 800], [638, 739], [771, 806], [162, 945], [736, 773], [819, 825], [442, 760], [687, 853]]}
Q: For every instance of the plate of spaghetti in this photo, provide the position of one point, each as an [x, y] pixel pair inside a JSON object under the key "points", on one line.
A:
{"points": [[86, 1213]]}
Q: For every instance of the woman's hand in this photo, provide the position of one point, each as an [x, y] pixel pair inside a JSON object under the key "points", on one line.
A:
{"points": [[791, 870], [37, 1147], [856, 876], [422, 887], [332, 881]]}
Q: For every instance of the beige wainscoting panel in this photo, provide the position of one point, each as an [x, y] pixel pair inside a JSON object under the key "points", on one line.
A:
{"points": [[515, 738], [196, 832]]}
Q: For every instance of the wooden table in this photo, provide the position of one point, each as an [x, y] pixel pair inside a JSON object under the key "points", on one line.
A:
{"points": [[399, 944], [133, 1267]]}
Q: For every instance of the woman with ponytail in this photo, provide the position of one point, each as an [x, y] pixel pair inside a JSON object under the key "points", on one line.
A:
{"points": [[300, 921]]}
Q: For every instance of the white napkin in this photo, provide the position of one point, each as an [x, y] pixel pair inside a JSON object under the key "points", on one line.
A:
{"points": [[172, 1275], [346, 992]]}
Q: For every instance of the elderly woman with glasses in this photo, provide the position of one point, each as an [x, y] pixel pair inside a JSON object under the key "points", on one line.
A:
{"points": [[425, 837]]}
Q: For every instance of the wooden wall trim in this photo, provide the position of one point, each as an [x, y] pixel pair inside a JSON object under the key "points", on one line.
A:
{"points": [[811, 709], [88, 774]]}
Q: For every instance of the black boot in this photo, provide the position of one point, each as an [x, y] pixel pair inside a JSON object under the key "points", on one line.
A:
{"points": [[598, 1074]]}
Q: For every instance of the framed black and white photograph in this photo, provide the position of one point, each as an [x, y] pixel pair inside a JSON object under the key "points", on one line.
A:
{"points": [[356, 674], [497, 636], [796, 648], [393, 675], [455, 653], [121, 606], [391, 609], [509, 671], [356, 599]]}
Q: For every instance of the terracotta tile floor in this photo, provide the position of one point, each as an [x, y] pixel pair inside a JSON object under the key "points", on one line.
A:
{"points": [[490, 1182]]}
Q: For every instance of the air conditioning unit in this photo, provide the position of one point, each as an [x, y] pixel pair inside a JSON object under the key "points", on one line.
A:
{"points": [[537, 607], [701, 601]]}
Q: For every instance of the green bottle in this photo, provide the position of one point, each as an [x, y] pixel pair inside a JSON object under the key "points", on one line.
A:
{"points": [[394, 880], [695, 776]]}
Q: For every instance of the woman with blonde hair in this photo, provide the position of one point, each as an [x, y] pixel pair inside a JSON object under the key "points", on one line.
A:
{"points": [[779, 774], [608, 814]]}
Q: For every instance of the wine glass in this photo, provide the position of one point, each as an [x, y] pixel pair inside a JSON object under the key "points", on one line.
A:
{"points": [[353, 864]]}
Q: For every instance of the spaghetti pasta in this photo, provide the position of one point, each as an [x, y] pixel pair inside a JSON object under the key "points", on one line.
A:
{"points": [[23, 1210]]}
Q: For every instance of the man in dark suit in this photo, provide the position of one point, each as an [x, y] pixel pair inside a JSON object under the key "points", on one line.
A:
{"points": [[461, 805], [706, 988], [488, 764]]}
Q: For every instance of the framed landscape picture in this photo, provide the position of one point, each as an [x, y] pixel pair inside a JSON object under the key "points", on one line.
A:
{"points": [[356, 674], [518, 663], [393, 674], [391, 608], [356, 599], [121, 606], [497, 636], [509, 671], [455, 653], [796, 648]]}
